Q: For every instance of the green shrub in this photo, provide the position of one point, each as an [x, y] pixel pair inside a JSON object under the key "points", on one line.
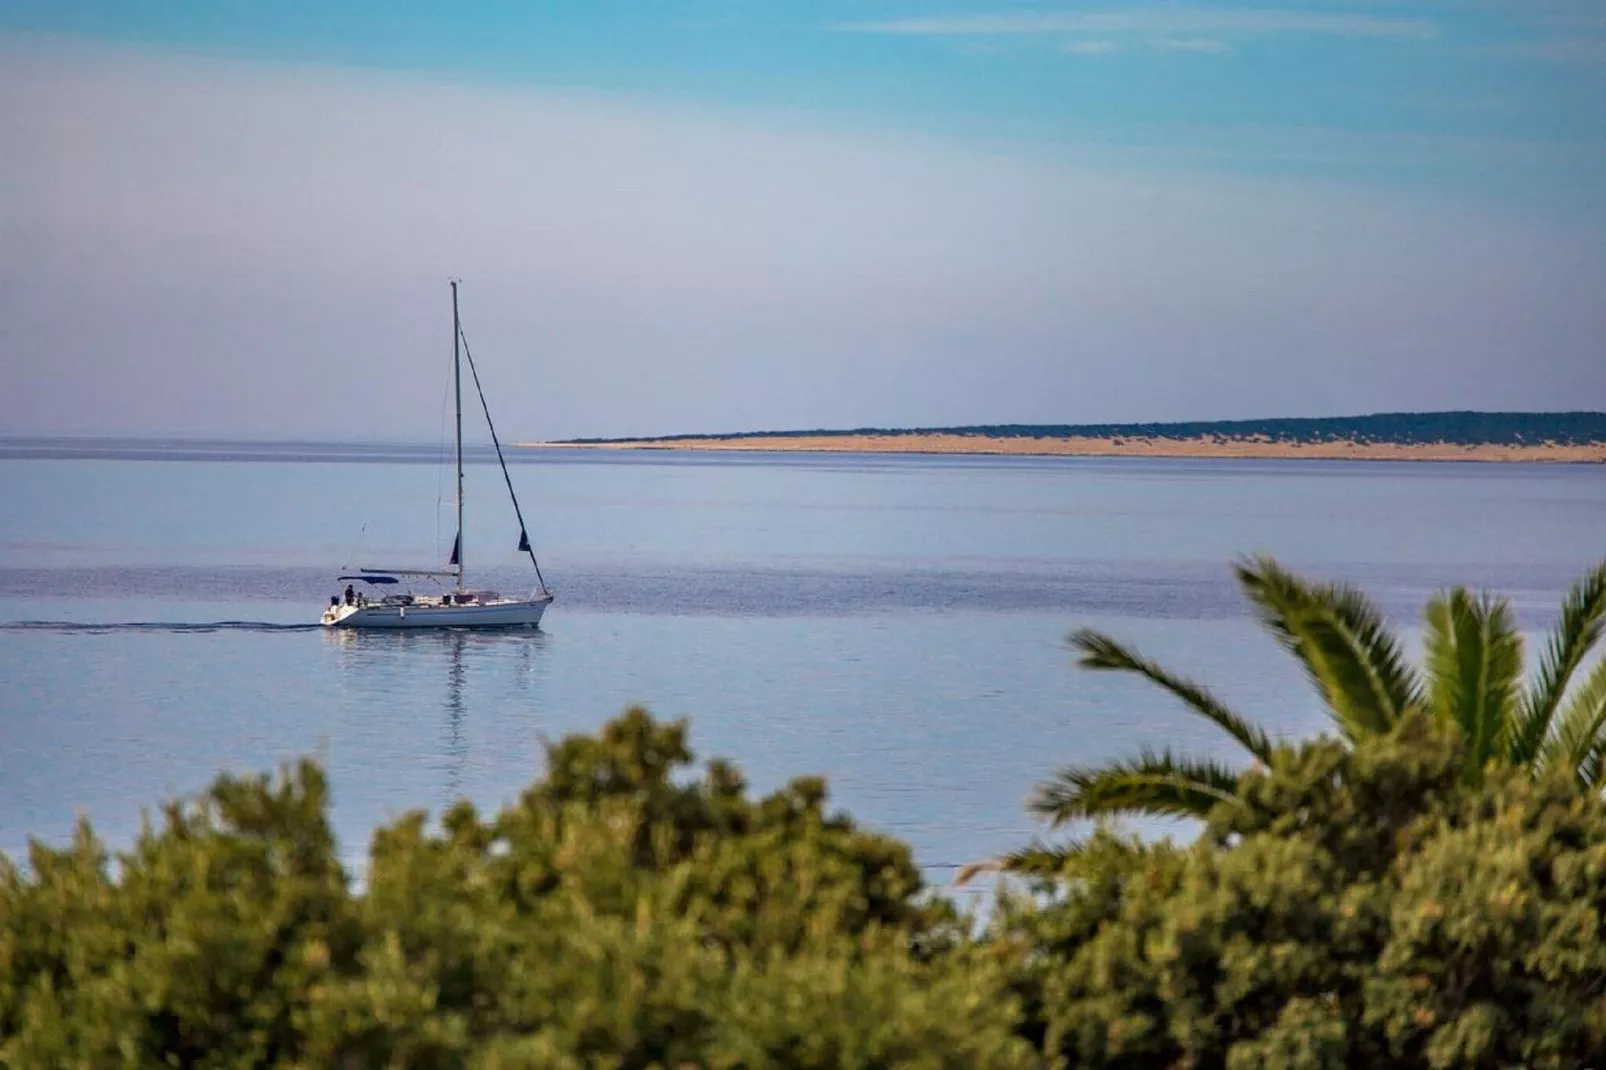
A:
{"points": [[1353, 905], [614, 917], [1363, 907]]}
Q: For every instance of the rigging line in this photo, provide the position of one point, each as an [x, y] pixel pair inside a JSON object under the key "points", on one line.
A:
{"points": [[355, 548], [524, 534]]}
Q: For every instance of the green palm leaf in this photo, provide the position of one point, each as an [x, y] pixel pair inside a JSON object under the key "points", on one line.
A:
{"points": [[1154, 783], [1341, 640], [1474, 669], [1036, 859], [1579, 742], [1592, 770], [1577, 630], [1099, 651]]}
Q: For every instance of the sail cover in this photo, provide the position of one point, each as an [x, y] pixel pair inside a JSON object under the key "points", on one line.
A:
{"points": [[457, 548]]}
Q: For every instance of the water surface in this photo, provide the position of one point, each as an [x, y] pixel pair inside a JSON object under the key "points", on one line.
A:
{"points": [[894, 623]]}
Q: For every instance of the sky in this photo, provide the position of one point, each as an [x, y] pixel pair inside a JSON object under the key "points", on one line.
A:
{"points": [[222, 218]]}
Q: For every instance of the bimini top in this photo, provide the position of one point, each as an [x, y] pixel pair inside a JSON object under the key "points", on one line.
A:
{"points": [[405, 572], [388, 575]]}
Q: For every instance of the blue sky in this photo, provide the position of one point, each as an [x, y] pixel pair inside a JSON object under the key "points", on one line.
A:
{"points": [[1504, 97], [1057, 183]]}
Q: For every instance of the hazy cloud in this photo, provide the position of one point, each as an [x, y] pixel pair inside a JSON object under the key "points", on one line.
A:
{"points": [[1089, 48], [201, 246], [1584, 50], [1159, 19], [1203, 45]]}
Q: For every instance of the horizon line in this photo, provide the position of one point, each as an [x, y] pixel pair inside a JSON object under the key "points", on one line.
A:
{"points": [[157, 437], [1103, 429]]}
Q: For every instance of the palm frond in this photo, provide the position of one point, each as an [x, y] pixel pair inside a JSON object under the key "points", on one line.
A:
{"points": [[1101, 652], [1474, 670], [1036, 859], [1592, 770], [1579, 741], [1577, 630], [1342, 641], [1153, 783]]}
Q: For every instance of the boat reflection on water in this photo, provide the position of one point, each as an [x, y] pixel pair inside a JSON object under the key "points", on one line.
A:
{"points": [[491, 673]]}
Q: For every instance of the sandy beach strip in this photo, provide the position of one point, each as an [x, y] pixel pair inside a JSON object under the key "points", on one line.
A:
{"points": [[1246, 448]]}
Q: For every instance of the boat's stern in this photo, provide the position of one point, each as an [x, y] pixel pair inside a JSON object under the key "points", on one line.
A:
{"points": [[335, 615]]}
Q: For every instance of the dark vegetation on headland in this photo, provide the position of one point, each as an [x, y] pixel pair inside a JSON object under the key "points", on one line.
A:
{"points": [[1425, 888], [1402, 428]]}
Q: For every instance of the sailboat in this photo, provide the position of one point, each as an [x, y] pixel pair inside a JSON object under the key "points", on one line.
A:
{"points": [[462, 606]]}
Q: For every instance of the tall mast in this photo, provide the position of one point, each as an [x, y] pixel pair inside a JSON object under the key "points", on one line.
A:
{"points": [[457, 395]]}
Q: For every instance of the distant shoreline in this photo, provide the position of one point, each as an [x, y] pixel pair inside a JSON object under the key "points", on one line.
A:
{"points": [[1211, 446]]}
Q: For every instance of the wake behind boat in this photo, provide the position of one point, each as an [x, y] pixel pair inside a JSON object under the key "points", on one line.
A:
{"points": [[461, 607]]}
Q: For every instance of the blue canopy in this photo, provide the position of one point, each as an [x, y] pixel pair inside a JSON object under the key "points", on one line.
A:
{"points": [[369, 579]]}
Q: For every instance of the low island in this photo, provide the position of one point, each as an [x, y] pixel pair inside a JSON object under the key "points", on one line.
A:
{"points": [[1557, 437]]}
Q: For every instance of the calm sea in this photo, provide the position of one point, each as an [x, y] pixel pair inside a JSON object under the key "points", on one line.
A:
{"points": [[894, 623]]}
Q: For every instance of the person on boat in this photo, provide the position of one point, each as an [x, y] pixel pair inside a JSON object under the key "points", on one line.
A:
{"points": [[351, 595]]}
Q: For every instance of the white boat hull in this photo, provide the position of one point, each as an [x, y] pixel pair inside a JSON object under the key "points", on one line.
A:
{"points": [[506, 613]]}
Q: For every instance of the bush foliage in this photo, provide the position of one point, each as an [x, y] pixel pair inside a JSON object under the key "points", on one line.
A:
{"points": [[1359, 906], [1355, 906], [616, 916]]}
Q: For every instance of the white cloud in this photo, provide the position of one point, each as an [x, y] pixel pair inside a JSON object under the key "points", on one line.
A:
{"points": [[1204, 45], [1158, 19], [1090, 48]]}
